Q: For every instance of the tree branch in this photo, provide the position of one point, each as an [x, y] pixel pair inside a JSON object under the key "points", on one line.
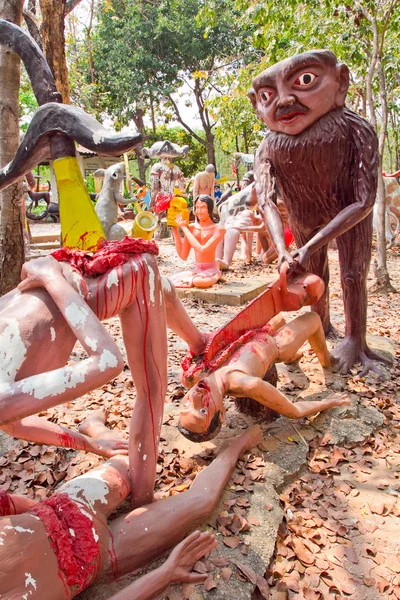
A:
{"points": [[180, 120], [70, 5], [33, 26]]}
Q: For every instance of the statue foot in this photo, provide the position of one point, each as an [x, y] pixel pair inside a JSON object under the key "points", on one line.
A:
{"points": [[349, 353], [332, 333], [222, 264], [94, 426], [374, 356]]}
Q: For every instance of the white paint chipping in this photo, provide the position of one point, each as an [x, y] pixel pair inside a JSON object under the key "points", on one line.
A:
{"points": [[166, 283], [19, 529], [112, 278], [151, 284], [144, 456], [55, 382], [76, 315], [12, 351], [96, 537], [30, 580], [92, 343], [89, 488], [52, 334], [107, 359]]}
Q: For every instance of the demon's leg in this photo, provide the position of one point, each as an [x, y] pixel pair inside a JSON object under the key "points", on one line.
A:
{"points": [[354, 260], [145, 336], [147, 532]]}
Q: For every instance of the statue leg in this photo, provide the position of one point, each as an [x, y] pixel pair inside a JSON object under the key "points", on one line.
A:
{"points": [[145, 337], [354, 248], [179, 320], [147, 532], [293, 335], [230, 242]]}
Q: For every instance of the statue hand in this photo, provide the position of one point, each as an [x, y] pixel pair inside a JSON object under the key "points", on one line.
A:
{"points": [[284, 257], [302, 257], [38, 272], [180, 221], [181, 560]]}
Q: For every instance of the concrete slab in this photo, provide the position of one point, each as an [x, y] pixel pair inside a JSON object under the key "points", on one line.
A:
{"points": [[234, 293]]}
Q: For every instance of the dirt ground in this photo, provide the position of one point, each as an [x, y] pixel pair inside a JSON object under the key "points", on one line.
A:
{"points": [[335, 514]]}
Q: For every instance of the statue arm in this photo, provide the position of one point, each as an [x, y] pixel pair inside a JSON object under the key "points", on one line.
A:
{"points": [[39, 392], [182, 245], [176, 569], [362, 193], [267, 198], [267, 395]]}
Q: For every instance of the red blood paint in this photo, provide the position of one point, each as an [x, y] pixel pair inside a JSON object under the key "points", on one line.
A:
{"points": [[191, 365], [7, 506], [78, 555], [146, 326], [67, 440]]}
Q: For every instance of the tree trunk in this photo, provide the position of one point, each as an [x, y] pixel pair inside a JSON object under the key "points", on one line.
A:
{"points": [[52, 32], [11, 214]]}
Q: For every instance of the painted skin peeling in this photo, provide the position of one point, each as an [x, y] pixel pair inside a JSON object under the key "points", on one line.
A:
{"points": [[107, 359], [92, 343], [112, 279], [55, 382], [76, 315], [12, 353], [52, 334], [151, 283]]}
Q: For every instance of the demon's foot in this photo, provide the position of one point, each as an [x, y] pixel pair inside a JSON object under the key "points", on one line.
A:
{"points": [[349, 353], [332, 333]]}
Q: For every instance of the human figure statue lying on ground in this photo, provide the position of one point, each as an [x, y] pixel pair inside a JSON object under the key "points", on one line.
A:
{"points": [[54, 549], [237, 367], [324, 159], [109, 198], [203, 236], [204, 182]]}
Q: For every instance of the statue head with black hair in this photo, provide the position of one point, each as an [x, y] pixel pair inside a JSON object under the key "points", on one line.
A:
{"points": [[203, 209]]}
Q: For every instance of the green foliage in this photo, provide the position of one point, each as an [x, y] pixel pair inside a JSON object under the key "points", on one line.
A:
{"points": [[27, 101]]}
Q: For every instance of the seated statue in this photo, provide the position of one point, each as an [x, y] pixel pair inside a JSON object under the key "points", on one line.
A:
{"points": [[204, 237], [244, 221], [56, 548], [239, 369]]}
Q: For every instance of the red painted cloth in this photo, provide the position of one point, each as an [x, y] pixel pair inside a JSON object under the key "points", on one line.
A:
{"points": [[162, 202], [111, 254], [288, 236], [6, 504], [71, 536], [191, 365]]}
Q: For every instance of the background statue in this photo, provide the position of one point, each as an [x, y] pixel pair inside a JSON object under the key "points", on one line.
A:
{"points": [[164, 175], [204, 182], [324, 160], [204, 237], [108, 200]]}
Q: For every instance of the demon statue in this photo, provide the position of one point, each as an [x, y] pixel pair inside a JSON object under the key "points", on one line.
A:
{"points": [[322, 159]]}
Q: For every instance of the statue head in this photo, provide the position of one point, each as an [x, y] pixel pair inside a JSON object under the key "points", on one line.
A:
{"points": [[204, 207], [294, 93], [248, 178], [202, 411], [210, 169]]}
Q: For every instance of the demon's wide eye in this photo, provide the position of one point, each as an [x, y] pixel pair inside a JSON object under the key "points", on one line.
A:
{"points": [[265, 96], [203, 411], [305, 79]]}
